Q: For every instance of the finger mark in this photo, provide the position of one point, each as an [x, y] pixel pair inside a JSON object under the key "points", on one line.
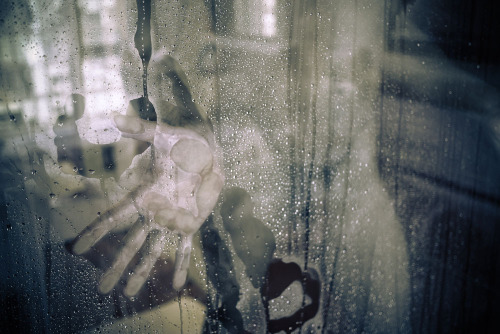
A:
{"points": [[135, 127], [132, 243], [134, 284], [128, 124], [141, 273], [108, 282], [179, 279], [182, 257], [83, 244], [102, 225]]}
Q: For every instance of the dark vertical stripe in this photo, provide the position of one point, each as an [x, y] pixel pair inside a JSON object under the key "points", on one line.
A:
{"points": [[142, 39], [291, 115], [314, 117], [327, 171]]}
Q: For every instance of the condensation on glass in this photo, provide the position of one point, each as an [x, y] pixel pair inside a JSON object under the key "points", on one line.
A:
{"points": [[249, 166]]}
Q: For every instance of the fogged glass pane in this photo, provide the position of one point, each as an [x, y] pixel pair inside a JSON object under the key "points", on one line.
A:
{"points": [[249, 166]]}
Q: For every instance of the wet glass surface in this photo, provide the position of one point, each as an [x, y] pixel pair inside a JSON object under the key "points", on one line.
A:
{"points": [[249, 166]]}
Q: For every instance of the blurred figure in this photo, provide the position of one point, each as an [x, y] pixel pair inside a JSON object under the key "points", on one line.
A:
{"points": [[68, 141], [73, 151]]}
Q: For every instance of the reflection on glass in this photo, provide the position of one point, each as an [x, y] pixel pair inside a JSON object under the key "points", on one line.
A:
{"points": [[249, 166]]}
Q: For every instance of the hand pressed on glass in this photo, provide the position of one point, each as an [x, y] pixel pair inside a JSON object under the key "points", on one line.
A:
{"points": [[179, 184]]}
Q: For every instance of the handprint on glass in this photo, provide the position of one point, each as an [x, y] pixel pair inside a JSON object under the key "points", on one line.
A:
{"points": [[173, 186]]}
